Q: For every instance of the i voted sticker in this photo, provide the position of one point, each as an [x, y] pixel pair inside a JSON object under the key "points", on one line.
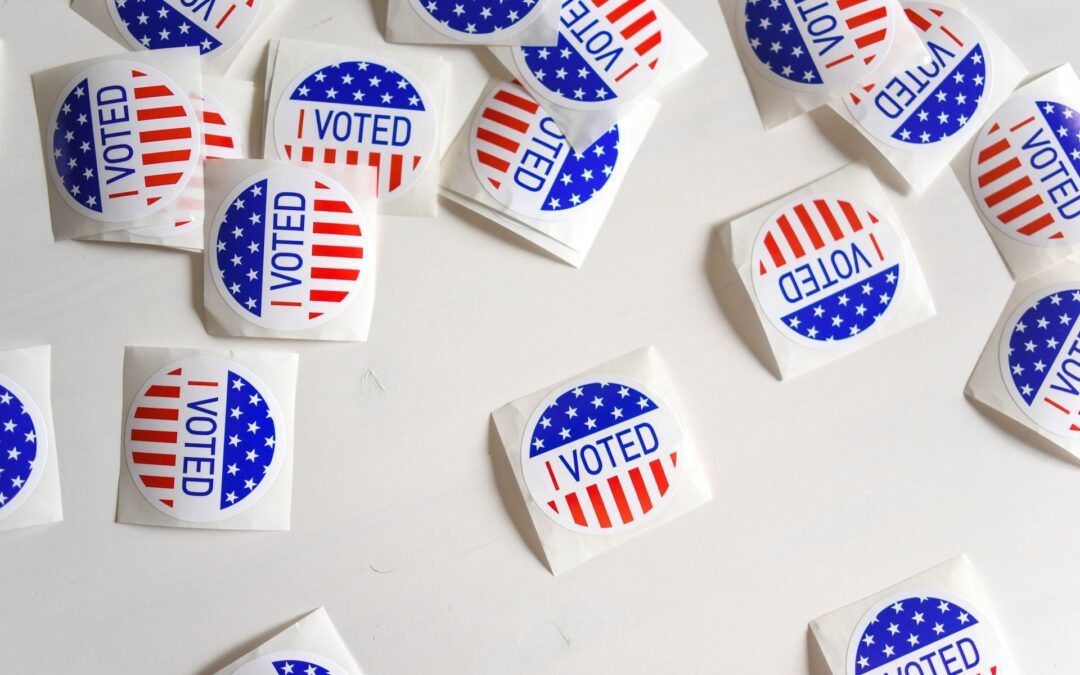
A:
{"points": [[601, 455], [524, 162], [816, 45], [24, 446], [210, 25], [478, 20], [1025, 170], [125, 141], [291, 663], [367, 113], [932, 103], [608, 52], [289, 248], [204, 439], [935, 633], [1039, 355], [827, 270]]}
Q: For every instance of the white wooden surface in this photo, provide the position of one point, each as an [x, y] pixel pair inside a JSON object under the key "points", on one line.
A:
{"points": [[828, 487]]}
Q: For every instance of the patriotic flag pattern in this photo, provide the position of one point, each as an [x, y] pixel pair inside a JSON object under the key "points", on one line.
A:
{"points": [[293, 667], [608, 50], [22, 446], [1035, 349], [289, 279], [510, 131], [164, 24], [360, 113], [927, 631], [201, 439], [602, 456], [948, 91], [1025, 166], [141, 159], [827, 269], [476, 17], [821, 44]]}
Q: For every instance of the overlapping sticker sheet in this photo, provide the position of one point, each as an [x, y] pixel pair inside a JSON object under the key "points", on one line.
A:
{"points": [[207, 439], [380, 108], [292, 250], [939, 621], [506, 22], [829, 270], [29, 477], [311, 646], [602, 457], [512, 164]]}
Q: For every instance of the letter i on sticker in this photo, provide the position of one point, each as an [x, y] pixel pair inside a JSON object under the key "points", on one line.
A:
{"points": [[210, 25], [1040, 359], [922, 634], [827, 270], [1025, 170], [289, 249], [204, 439], [932, 103], [24, 446], [816, 45], [601, 455], [125, 141]]}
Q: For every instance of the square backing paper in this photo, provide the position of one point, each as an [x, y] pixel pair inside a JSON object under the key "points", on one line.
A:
{"points": [[314, 634]]}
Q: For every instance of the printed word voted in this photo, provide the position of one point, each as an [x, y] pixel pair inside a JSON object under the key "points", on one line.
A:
{"points": [[362, 127], [957, 658], [541, 157], [200, 447], [619, 447], [826, 271], [904, 90], [1055, 172]]}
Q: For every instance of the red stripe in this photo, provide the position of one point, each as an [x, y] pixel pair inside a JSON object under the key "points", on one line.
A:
{"points": [[155, 458], [998, 171], [659, 476], [1021, 208], [917, 19], [870, 38], [877, 248], [154, 91], [847, 4], [153, 436], [853, 218], [808, 225], [352, 157], [286, 303], [162, 391], [623, 9], [1009, 190], [209, 117], [503, 142], [165, 112], [502, 118], [129, 193], [830, 220], [575, 509], [373, 161], [638, 24], [789, 234], [648, 43], [164, 134], [620, 499], [640, 489], [142, 413], [218, 141], [867, 17], [598, 506], [336, 228], [774, 250], [157, 180], [337, 251], [1045, 220], [307, 154], [491, 160], [202, 383], [164, 482], [993, 150], [166, 157], [334, 273], [517, 101], [327, 296], [332, 206], [395, 171]]}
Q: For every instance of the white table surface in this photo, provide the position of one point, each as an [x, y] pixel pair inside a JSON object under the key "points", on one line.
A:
{"points": [[828, 488]]}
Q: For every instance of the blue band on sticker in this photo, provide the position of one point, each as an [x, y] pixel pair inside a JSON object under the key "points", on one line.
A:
{"points": [[295, 667], [850, 310], [166, 24], [478, 17], [20, 449], [923, 635]]}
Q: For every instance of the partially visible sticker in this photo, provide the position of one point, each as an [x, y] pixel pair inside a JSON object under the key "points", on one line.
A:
{"points": [[367, 113], [210, 25], [291, 663], [477, 21], [1037, 353], [923, 634], [601, 455], [24, 446], [1025, 171], [830, 45], [205, 439], [289, 248], [125, 141], [522, 159], [827, 270], [924, 106], [608, 53]]}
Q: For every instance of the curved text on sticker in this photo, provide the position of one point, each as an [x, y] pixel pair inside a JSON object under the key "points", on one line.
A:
{"points": [[165, 24]]}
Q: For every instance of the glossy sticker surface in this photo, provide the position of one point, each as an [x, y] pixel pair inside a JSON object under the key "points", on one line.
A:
{"points": [[24, 446]]}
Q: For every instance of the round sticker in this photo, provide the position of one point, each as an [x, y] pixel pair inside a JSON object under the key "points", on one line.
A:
{"points": [[204, 439], [289, 248], [914, 634], [524, 162], [24, 446], [162, 24], [359, 112], [478, 21], [932, 103], [819, 46], [1025, 171], [1038, 359], [125, 141], [600, 455], [607, 54], [291, 663], [827, 270]]}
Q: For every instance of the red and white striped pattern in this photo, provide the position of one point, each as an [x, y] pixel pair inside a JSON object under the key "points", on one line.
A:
{"points": [[336, 252], [637, 23], [503, 129], [618, 499], [809, 226], [221, 140], [1006, 191], [925, 25], [869, 23]]}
